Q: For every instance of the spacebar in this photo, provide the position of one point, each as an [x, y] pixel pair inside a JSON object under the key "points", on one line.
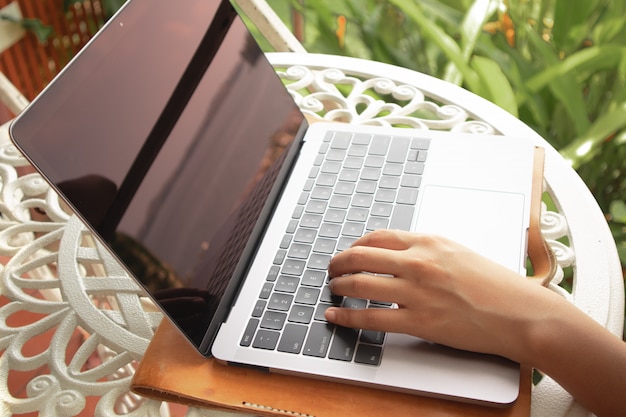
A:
{"points": [[402, 217]]}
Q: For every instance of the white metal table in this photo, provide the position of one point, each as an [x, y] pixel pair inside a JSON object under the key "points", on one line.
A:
{"points": [[55, 271]]}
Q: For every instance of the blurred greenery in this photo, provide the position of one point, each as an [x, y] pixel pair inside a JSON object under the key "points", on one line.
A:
{"points": [[558, 65]]}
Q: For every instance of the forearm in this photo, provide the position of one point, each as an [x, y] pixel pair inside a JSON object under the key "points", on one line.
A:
{"points": [[584, 358]]}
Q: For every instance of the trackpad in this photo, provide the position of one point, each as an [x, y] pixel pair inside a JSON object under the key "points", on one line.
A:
{"points": [[489, 222]]}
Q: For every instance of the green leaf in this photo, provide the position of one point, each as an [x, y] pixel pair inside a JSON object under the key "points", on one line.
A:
{"points": [[618, 211], [565, 88], [36, 26], [435, 34], [583, 149], [595, 58], [570, 18], [471, 28], [496, 86]]}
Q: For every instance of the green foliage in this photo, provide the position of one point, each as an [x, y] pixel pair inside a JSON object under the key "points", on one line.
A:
{"points": [[41, 30], [559, 65]]}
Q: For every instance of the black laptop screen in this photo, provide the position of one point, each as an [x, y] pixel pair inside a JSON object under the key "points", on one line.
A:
{"points": [[177, 207]]}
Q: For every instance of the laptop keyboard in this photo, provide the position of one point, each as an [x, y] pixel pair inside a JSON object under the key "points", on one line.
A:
{"points": [[359, 183]]}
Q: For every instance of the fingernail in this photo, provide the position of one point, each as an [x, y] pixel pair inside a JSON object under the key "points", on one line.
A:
{"points": [[330, 314]]}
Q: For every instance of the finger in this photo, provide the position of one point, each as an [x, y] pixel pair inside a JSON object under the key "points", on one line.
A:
{"points": [[386, 239], [368, 286], [366, 259], [382, 319]]}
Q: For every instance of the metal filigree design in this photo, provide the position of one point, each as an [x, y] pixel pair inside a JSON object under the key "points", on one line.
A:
{"points": [[331, 95]]}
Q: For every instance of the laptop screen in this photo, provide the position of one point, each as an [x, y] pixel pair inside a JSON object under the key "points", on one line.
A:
{"points": [[170, 163]]}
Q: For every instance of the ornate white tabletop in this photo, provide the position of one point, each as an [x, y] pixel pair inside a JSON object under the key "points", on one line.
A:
{"points": [[76, 291]]}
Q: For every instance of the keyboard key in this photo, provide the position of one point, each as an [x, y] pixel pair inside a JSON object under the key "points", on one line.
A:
{"points": [[292, 339], [307, 295], [313, 278], [350, 175], [362, 200], [361, 139], [339, 201], [385, 196], [326, 180], [398, 150], [420, 143], [328, 297], [266, 290], [335, 216], [311, 220], [319, 261], [266, 339], [248, 334], [373, 337], [286, 283], [286, 241], [315, 170], [382, 209], [291, 227], [357, 214], [324, 245], [377, 223], [331, 167], [393, 169], [345, 242], [388, 181], [421, 156], [336, 155], [299, 251], [379, 145], [273, 320], [372, 174], [410, 180], [304, 197], [344, 343], [402, 217], [331, 230], [353, 162], [301, 314], [366, 187], [374, 161], [273, 274], [293, 267], [318, 340], [344, 188], [279, 301], [352, 229], [407, 195], [321, 193], [368, 354], [320, 310], [341, 140], [308, 185], [316, 207], [297, 212], [357, 150], [305, 235], [414, 168], [354, 303], [259, 307]]}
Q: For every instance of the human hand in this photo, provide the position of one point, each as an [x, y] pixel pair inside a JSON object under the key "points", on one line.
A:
{"points": [[445, 293]]}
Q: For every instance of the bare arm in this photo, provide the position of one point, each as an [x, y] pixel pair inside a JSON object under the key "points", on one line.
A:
{"points": [[451, 295]]}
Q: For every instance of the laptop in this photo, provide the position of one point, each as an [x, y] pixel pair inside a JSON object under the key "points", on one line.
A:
{"points": [[174, 140]]}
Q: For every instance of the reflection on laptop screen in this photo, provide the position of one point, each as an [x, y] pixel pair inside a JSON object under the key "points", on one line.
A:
{"points": [[183, 222]]}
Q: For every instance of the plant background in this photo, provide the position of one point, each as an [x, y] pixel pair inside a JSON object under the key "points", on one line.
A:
{"points": [[558, 65]]}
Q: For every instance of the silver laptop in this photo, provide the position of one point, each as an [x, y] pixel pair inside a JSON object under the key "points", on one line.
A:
{"points": [[180, 148]]}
